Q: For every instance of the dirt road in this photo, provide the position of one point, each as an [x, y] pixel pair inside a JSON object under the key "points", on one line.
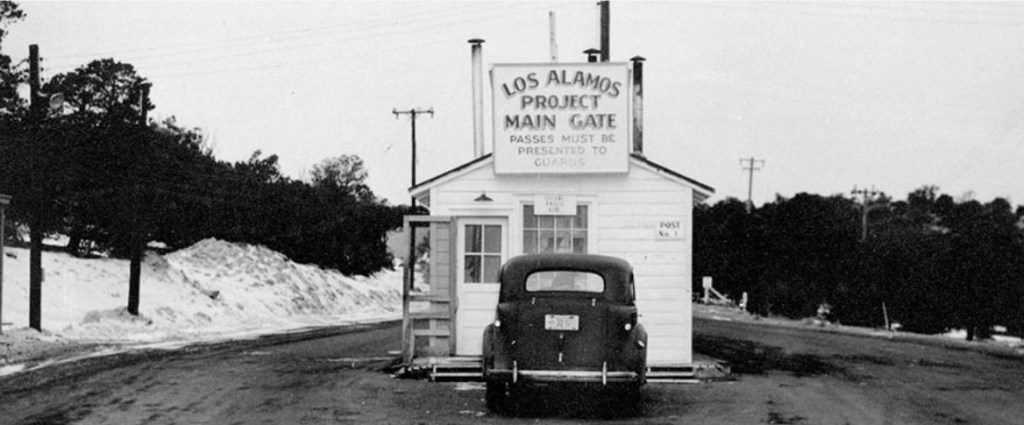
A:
{"points": [[783, 375], [793, 375]]}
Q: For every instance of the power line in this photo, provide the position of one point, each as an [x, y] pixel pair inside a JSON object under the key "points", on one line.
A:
{"points": [[263, 44], [300, 33], [304, 62], [307, 62], [260, 50]]}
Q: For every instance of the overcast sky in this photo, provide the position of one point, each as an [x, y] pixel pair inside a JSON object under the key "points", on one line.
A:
{"points": [[830, 95]]}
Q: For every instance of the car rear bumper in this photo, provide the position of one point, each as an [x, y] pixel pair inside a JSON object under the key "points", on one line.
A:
{"points": [[562, 376]]}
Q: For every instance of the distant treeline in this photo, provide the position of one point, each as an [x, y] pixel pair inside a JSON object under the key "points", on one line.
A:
{"points": [[936, 263], [114, 186]]}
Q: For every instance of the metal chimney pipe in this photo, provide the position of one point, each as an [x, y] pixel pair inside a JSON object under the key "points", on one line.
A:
{"points": [[638, 105], [605, 30], [478, 97]]}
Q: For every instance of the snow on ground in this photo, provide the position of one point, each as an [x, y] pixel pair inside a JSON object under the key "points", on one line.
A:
{"points": [[954, 338], [211, 290]]}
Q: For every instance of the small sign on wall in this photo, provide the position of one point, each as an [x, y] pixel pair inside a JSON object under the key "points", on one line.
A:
{"points": [[669, 229], [554, 205]]}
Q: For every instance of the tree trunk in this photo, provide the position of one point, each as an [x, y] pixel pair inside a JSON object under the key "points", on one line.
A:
{"points": [[73, 242], [35, 277]]}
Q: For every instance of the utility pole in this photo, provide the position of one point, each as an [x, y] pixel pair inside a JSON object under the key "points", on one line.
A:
{"points": [[4, 201], [412, 114], [867, 196], [143, 100], [139, 241], [751, 167], [35, 253]]}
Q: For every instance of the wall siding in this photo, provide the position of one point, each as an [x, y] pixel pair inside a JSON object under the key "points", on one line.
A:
{"points": [[626, 209], [441, 248]]}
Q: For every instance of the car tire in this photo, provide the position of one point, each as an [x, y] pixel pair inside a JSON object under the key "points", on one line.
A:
{"points": [[496, 396]]}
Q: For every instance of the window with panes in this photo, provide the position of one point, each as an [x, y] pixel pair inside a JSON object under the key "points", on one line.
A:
{"points": [[482, 254], [555, 233]]}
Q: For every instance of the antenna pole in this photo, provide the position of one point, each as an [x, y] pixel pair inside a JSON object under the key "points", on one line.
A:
{"points": [[554, 42]]}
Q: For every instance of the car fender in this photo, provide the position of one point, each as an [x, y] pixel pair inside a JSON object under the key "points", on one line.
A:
{"points": [[495, 354], [488, 348], [638, 351]]}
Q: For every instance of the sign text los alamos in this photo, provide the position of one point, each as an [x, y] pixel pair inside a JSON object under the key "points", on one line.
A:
{"points": [[561, 118]]}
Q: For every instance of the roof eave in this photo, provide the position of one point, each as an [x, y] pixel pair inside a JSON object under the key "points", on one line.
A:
{"points": [[425, 185], [701, 191]]}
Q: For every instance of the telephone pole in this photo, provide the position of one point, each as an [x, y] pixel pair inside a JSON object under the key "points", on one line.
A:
{"points": [[867, 196], [35, 253], [412, 115], [751, 167], [138, 244]]}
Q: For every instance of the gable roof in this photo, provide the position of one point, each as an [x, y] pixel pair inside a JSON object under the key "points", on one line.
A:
{"points": [[701, 193]]}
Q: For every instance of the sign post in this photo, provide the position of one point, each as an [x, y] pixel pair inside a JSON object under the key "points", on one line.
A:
{"points": [[706, 283]]}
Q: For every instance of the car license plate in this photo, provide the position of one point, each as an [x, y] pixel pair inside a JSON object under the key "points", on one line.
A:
{"points": [[561, 322]]}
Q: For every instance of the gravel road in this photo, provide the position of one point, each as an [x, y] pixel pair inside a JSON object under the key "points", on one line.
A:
{"points": [[781, 375]]}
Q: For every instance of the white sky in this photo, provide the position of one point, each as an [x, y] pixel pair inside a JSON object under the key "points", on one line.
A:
{"points": [[832, 95]]}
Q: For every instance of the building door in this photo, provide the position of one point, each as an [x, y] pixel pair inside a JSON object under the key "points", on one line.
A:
{"points": [[482, 249]]}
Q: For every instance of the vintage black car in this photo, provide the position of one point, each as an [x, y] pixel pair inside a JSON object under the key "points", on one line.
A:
{"points": [[564, 318]]}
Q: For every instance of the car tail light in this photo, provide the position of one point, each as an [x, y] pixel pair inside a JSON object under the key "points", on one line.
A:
{"points": [[505, 317], [630, 322]]}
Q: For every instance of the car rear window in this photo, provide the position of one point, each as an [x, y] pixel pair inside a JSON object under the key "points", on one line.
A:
{"points": [[564, 280]]}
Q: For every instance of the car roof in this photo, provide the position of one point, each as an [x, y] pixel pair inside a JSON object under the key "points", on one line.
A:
{"points": [[615, 271]]}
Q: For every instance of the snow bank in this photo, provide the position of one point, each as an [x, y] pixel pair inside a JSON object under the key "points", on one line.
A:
{"points": [[212, 289], [955, 337]]}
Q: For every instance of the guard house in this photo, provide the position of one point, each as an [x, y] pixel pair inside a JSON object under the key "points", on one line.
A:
{"points": [[566, 174]]}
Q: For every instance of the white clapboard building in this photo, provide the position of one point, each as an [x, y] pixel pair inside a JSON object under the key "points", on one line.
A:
{"points": [[566, 173]]}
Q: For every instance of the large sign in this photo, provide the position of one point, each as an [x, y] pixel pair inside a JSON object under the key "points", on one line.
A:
{"points": [[561, 118]]}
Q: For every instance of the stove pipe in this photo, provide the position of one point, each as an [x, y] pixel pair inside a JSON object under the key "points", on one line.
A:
{"points": [[478, 97]]}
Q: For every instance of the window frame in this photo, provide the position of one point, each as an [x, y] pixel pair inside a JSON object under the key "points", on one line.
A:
{"points": [[482, 255], [584, 213]]}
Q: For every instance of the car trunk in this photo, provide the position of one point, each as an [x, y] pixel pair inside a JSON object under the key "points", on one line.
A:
{"points": [[548, 342]]}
